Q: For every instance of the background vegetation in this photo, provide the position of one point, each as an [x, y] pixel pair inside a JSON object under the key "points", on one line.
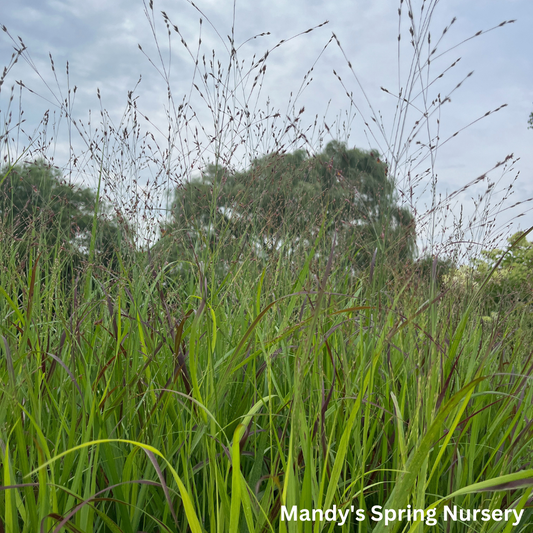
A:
{"points": [[281, 344]]}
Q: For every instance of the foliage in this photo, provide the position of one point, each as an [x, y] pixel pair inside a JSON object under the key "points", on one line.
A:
{"points": [[512, 282], [149, 405], [137, 402], [507, 297], [35, 198], [282, 200], [434, 268]]}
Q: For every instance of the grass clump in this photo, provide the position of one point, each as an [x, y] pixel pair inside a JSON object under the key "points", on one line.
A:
{"points": [[147, 404], [259, 356]]}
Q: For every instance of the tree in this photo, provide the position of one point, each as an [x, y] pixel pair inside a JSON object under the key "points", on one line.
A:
{"points": [[33, 196], [283, 199]]}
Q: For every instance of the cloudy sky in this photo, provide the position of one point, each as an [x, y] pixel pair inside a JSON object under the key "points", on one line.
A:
{"points": [[100, 41]]}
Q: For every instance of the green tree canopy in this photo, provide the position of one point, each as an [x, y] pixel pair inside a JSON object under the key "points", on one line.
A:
{"points": [[283, 199], [33, 195]]}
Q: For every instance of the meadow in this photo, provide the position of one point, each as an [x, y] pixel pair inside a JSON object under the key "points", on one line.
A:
{"points": [[238, 378]]}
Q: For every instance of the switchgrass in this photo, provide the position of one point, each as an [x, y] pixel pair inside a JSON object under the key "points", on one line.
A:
{"points": [[217, 389], [149, 406]]}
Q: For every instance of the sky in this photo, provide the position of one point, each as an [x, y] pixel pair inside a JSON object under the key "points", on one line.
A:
{"points": [[352, 56]]}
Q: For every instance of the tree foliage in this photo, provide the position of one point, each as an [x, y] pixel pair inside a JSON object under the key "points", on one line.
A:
{"points": [[282, 201], [34, 197]]}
